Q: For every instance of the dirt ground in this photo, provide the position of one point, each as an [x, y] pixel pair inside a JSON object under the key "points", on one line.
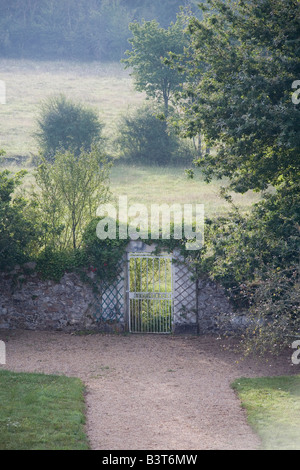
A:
{"points": [[150, 392]]}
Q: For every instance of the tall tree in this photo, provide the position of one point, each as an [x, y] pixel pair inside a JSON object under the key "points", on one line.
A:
{"points": [[151, 44], [242, 65], [246, 56]]}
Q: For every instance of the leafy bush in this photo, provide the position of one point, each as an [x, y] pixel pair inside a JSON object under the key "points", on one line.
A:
{"points": [[53, 264], [64, 125], [256, 258], [70, 191], [19, 232], [274, 311], [144, 138]]}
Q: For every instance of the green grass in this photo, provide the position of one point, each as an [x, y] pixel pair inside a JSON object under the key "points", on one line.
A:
{"points": [[169, 185], [273, 409], [108, 88], [162, 185], [41, 412]]}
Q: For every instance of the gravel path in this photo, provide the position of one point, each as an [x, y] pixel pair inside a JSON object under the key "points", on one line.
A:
{"points": [[149, 392]]}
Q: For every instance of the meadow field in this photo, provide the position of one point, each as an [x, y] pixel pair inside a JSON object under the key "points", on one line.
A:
{"points": [[109, 89]]}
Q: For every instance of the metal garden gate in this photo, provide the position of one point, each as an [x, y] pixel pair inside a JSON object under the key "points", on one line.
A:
{"points": [[150, 294]]}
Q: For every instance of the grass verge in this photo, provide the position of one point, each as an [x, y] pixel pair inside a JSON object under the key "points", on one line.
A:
{"points": [[273, 409], [41, 412]]}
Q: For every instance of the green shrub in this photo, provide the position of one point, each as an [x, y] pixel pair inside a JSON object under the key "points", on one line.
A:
{"points": [[102, 256], [65, 125], [54, 264], [256, 258], [70, 191], [19, 231], [144, 138]]}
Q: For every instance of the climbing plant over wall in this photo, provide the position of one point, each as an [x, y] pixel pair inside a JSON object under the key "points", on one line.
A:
{"points": [[104, 256]]}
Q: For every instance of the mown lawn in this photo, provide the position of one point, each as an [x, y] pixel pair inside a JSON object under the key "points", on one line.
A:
{"points": [[273, 409], [41, 412]]}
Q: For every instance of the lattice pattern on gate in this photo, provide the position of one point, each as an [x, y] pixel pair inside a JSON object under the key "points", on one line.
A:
{"points": [[159, 298], [185, 297], [111, 301]]}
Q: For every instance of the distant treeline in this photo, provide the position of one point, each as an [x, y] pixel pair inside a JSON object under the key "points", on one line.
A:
{"points": [[77, 29]]}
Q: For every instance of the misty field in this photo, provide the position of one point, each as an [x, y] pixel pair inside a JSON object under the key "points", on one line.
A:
{"points": [[170, 185], [108, 88]]}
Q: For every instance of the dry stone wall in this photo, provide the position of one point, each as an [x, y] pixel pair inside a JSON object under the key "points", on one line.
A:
{"points": [[28, 302], [215, 312]]}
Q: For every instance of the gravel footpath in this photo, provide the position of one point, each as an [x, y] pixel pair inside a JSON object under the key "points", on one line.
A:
{"points": [[149, 392]]}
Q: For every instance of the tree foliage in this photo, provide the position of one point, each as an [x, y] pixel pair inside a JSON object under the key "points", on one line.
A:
{"points": [[151, 44], [243, 59], [19, 232], [70, 191], [240, 66], [65, 125], [145, 139], [255, 256], [76, 29]]}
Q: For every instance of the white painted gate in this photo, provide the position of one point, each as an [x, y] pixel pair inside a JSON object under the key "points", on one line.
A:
{"points": [[150, 293]]}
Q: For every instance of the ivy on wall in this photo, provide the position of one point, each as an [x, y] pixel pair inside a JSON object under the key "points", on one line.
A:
{"points": [[101, 257]]}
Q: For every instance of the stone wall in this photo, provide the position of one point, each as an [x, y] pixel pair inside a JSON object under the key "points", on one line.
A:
{"points": [[27, 302], [215, 312]]}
